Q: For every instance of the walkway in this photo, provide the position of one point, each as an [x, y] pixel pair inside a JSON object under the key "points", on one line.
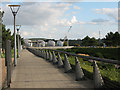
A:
{"points": [[34, 72]]}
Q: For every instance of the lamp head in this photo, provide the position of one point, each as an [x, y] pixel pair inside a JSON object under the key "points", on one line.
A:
{"points": [[14, 5], [14, 8], [17, 30], [18, 27]]}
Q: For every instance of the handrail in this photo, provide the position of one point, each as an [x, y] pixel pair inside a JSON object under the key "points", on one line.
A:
{"points": [[79, 74], [89, 57]]}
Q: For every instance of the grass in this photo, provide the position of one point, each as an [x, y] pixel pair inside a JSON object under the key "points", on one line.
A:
{"points": [[12, 52], [107, 70]]}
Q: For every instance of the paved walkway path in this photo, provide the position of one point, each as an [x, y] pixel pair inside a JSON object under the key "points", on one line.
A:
{"points": [[34, 72]]}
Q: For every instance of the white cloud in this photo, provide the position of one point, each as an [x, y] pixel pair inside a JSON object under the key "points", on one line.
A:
{"points": [[65, 22], [96, 35], [54, 29], [1, 10], [26, 34], [81, 22], [76, 7], [37, 13], [41, 18], [89, 22], [45, 19], [93, 23], [72, 21], [74, 12], [111, 12], [100, 20]]}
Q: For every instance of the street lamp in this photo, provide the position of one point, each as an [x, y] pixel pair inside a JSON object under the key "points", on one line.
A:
{"points": [[14, 9], [18, 33]]}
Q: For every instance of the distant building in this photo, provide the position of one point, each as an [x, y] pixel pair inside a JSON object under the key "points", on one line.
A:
{"points": [[59, 43], [50, 43], [28, 42], [41, 43]]}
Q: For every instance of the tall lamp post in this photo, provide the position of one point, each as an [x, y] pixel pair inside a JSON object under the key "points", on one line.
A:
{"points": [[18, 33], [14, 9]]}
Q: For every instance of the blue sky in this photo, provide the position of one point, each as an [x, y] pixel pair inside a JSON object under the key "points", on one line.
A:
{"points": [[52, 20], [86, 12]]}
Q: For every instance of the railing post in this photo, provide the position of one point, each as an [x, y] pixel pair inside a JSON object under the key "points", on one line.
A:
{"points": [[60, 63], [47, 57], [78, 70], [50, 56], [44, 54], [34, 51], [8, 59], [98, 81], [67, 65], [39, 52], [54, 58]]}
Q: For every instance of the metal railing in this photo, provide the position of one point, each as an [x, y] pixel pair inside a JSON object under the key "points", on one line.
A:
{"points": [[50, 55]]}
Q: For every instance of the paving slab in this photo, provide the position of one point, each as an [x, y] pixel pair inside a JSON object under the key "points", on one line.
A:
{"points": [[34, 72]]}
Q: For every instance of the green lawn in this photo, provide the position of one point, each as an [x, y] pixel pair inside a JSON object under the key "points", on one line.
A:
{"points": [[107, 70]]}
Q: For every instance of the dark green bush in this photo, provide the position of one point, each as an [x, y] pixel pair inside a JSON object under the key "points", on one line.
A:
{"points": [[98, 54], [109, 53]]}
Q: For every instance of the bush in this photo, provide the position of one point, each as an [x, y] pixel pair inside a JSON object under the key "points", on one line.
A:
{"points": [[109, 53], [98, 54]]}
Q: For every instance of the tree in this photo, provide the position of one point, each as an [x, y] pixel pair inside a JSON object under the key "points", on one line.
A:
{"points": [[112, 39], [65, 43], [93, 42], [85, 41], [6, 35], [116, 39], [12, 40], [109, 39]]}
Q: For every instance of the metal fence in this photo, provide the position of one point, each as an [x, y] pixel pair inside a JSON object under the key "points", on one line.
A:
{"points": [[54, 56]]}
